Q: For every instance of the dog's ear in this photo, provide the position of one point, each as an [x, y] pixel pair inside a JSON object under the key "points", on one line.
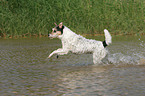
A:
{"points": [[60, 25], [55, 24]]}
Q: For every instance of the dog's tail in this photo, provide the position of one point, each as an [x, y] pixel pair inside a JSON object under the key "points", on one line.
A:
{"points": [[108, 38]]}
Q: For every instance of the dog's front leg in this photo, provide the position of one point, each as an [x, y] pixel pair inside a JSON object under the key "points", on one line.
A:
{"points": [[59, 52], [54, 52]]}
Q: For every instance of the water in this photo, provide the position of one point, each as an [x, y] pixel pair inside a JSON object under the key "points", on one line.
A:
{"points": [[24, 70]]}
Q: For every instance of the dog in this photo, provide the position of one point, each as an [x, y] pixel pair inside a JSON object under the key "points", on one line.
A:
{"points": [[71, 42]]}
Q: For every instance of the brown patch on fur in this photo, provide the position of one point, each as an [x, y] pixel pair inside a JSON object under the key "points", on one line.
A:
{"points": [[58, 32], [60, 25]]}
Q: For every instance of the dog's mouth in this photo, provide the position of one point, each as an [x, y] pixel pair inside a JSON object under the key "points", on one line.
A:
{"points": [[52, 36]]}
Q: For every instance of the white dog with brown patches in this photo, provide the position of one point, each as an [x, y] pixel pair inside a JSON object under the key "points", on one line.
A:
{"points": [[71, 42]]}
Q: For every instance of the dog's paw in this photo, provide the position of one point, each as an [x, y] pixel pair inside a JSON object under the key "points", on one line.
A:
{"points": [[57, 56]]}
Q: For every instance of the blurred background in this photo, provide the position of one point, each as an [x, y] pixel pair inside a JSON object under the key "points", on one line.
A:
{"points": [[22, 18]]}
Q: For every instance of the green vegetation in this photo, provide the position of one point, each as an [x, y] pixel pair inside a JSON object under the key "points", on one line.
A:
{"points": [[37, 17]]}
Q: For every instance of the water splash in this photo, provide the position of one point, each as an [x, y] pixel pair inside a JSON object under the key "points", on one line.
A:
{"points": [[134, 54], [119, 58], [141, 43]]}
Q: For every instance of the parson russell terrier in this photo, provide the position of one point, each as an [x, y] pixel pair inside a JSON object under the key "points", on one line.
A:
{"points": [[71, 42]]}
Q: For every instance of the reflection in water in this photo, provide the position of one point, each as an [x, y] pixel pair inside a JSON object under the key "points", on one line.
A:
{"points": [[103, 81], [24, 70], [85, 81]]}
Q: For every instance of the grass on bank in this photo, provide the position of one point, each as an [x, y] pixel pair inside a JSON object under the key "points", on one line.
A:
{"points": [[37, 17]]}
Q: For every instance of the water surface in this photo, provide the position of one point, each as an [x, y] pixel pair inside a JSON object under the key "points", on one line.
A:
{"points": [[25, 71]]}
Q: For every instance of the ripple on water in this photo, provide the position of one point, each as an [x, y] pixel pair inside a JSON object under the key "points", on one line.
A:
{"points": [[24, 70]]}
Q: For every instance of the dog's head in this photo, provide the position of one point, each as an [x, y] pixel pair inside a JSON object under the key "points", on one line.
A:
{"points": [[57, 31]]}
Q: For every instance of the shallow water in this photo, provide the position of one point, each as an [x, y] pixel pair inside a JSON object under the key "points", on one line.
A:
{"points": [[25, 71]]}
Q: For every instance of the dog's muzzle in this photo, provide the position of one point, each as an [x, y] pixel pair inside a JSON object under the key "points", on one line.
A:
{"points": [[51, 36]]}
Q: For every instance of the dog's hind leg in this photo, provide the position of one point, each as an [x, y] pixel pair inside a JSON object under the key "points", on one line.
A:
{"points": [[98, 56], [96, 59], [58, 52]]}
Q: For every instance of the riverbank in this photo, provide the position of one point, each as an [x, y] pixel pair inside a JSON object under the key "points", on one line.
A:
{"points": [[41, 36], [37, 17]]}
